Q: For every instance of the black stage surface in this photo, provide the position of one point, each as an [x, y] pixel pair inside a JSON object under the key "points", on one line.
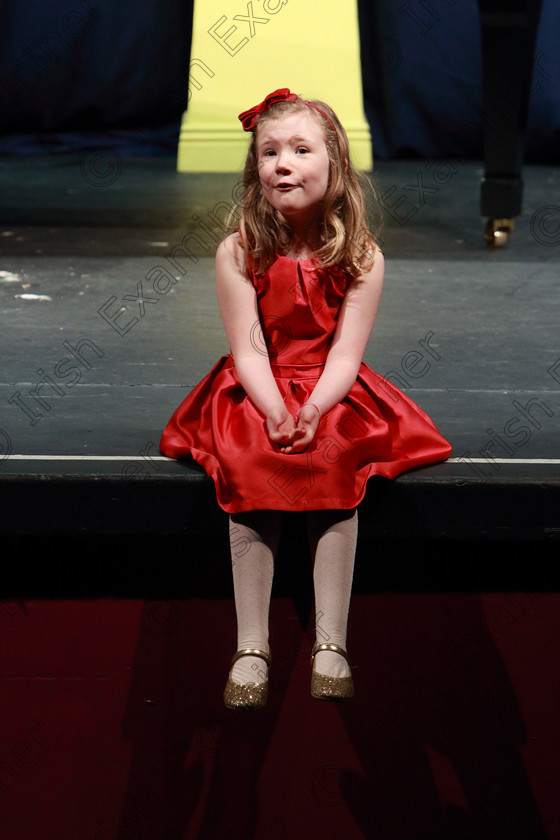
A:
{"points": [[471, 333]]}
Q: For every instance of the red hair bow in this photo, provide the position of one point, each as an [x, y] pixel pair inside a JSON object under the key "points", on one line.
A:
{"points": [[250, 117]]}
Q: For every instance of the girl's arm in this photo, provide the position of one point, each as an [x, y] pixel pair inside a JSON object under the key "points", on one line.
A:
{"points": [[353, 330], [237, 301]]}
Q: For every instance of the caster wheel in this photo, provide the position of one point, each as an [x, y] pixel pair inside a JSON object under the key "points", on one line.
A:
{"points": [[497, 232]]}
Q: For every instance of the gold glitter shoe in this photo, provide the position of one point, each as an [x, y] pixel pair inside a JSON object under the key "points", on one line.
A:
{"points": [[247, 695], [330, 688]]}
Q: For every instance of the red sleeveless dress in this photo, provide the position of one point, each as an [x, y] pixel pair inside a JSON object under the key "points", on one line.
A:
{"points": [[375, 430]]}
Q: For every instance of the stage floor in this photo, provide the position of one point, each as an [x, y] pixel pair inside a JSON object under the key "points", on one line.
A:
{"points": [[109, 318]]}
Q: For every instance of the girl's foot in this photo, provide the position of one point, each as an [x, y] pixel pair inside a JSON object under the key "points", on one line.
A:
{"points": [[332, 664], [250, 669], [337, 683], [251, 693]]}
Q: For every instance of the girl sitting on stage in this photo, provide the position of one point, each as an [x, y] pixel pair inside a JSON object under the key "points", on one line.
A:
{"points": [[293, 419]]}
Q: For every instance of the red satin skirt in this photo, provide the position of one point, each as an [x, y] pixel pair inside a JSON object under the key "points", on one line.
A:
{"points": [[375, 430]]}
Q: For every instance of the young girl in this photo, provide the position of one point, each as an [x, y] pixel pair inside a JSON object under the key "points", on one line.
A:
{"points": [[293, 419]]}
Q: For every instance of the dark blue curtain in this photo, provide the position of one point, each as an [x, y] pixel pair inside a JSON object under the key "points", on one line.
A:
{"points": [[93, 73], [422, 79], [80, 74]]}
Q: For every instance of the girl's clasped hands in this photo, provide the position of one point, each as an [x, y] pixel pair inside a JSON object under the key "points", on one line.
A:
{"points": [[293, 434]]}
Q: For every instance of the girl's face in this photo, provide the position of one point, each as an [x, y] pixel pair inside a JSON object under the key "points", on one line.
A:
{"points": [[293, 165]]}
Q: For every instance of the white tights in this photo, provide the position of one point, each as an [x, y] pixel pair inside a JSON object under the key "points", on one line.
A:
{"points": [[254, 541]]}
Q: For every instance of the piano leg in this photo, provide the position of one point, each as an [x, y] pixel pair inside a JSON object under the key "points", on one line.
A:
{"points": [[508, 36]]}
